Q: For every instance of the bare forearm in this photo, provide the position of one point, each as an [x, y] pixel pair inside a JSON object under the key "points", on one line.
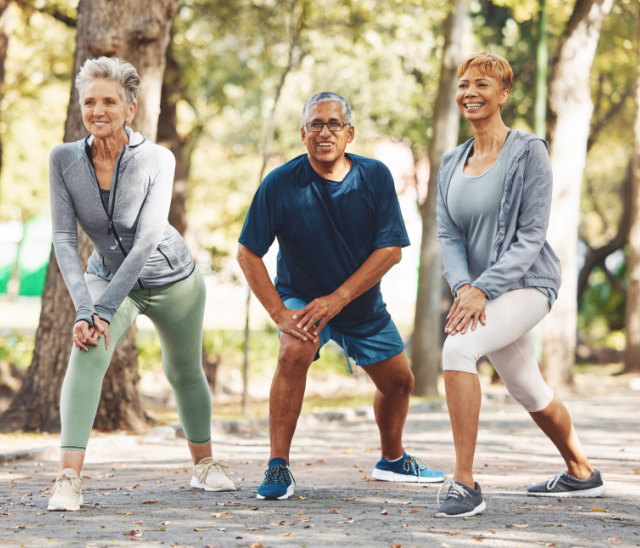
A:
{"points": [[369, 274], [258, 279]]}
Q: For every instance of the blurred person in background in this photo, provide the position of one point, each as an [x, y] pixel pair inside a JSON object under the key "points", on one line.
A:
{"points": [[494, 199], [340, 229], [118, 186]]}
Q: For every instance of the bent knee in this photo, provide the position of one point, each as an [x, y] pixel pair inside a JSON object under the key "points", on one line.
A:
{"points": [[533, 397], [295, 355], [457, 355]]}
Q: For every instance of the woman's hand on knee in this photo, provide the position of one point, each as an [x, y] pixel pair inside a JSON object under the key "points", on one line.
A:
{"points": [[101, 328], [84, 335], [468, 308]]}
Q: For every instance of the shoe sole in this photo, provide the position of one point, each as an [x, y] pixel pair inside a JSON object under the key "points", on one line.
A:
{"points": [[195, 483], [587, 493], [273, 497], [478, 509], [385, 475], [66, 509]]}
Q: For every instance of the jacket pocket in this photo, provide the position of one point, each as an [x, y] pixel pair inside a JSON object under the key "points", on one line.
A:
{"points": [[165, 253]]}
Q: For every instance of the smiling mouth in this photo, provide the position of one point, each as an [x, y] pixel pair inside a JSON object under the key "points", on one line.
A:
{"points": [[473, 106], [325, 146], [100, 123]]}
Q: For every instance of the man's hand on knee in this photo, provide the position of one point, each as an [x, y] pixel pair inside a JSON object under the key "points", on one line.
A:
{"points": [[320, 310], [287, 323]]}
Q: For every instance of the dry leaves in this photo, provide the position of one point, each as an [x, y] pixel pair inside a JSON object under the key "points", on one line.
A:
{"points": [[521, 525], [406, 525], [322, 462], [273, 511], [415, 511], [254, 508], [334, 511], [150, 501], [301, 498], [613, 539], [385, 512], [287, 534], [542, 543], [366, 478], [396, 546], [303, 519], [136, 485], [597, 509], [256, 545], [349, 500], [200, 529], [216, 544], [300, 513]]}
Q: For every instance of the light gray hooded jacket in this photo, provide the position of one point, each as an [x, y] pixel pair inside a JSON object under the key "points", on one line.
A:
{"points": [[135, 247], [521, 255]]}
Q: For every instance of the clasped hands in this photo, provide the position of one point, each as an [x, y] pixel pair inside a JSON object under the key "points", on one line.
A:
{"points": [[84, 335], [467, 310], [307, 323]]}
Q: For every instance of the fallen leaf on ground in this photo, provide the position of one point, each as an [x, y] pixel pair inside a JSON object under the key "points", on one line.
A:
{"points": [[22, 526], [616, 518], [216, 544], [127, 513], [150, 501], [349, 450], [406, 525], [273, 511], [637, 472], [543, 543], [366, 478], [131, 533], [303, 519], [300, 512], [561, 525], [256, 545], [334, 511], [415, 511], [349, 500], [613, 539], [200, 529], [522, 525], [137, 522], [309, 525], [238, 538], [385, 512], [301, 498], [287, 534], [396, 546], [254, 508], [219, 515], [597, 509], [136, 485], [478, 539], [165, 523], [322, 462]]}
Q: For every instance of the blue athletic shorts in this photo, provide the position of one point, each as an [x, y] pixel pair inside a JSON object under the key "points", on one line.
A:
{"points": [[382, 346]]}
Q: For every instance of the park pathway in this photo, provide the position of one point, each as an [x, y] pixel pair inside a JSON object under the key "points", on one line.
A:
{"points": [[137, 490]]}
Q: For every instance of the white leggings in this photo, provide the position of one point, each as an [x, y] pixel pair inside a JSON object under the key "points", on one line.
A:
{"points": [[508, 342]]}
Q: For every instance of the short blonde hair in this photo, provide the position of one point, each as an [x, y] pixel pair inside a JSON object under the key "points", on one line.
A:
{"points": [[122, 73], [492, 65]]}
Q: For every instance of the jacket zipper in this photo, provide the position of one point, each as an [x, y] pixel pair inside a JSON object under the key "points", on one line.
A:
{"points": [[112, 227], [166, 258]]}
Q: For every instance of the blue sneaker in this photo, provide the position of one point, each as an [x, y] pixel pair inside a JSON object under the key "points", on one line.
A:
{"points": [[278, 481], [407, 470]]}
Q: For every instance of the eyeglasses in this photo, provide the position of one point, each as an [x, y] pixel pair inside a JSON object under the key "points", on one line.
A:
{"points": [[334, 127]]}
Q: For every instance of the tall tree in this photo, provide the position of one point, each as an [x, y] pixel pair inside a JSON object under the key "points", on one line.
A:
{"points": [[138, 31], [542, 64], [632, 353], [570, 111], [425, 345]]}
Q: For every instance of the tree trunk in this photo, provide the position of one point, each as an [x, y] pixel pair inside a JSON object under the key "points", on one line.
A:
{"points": [[542, 64], [138, 31], [426, 341], [5, 32], [570, 110], [632, 352]]}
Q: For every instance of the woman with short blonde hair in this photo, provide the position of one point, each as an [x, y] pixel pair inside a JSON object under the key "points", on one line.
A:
{"points": [[117, 186], [494, 199]]}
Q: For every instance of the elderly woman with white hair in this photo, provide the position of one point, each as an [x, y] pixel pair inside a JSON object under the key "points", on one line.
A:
{"points": [[117, 186]]}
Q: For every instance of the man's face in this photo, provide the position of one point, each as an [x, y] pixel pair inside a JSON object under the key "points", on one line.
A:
{"points": [[326, 146]]}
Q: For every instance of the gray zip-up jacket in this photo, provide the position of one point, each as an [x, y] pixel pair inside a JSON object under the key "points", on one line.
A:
{"points": [[135, 247], [521, 255]]}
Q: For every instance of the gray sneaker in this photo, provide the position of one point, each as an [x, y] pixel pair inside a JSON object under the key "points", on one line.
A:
{"points": [[564, 485], [461, 501]]}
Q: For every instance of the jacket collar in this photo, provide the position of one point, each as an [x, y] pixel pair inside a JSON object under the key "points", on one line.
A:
{"points": [[136, 142]]}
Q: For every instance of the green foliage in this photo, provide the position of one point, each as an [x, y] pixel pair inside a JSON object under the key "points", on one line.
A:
{"points": [[17, 349]]}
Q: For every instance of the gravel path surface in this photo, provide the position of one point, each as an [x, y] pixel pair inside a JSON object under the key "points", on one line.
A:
{"points": [[138, 492]]}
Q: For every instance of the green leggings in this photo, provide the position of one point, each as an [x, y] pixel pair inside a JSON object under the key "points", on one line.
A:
{"points": [[177, 312]]}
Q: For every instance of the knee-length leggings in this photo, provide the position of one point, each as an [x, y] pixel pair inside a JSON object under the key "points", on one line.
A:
{"points": [[177, 312], [508, 342]]}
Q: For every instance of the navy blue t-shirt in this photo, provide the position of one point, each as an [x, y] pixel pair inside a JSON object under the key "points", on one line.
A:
{"points": [[326, 231]]}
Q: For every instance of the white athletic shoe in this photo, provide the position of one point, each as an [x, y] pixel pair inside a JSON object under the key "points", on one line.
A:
{"points": [[211, 475], [66, 493]]}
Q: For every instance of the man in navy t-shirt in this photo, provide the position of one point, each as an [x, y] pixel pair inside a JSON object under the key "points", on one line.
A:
{"points": [[339, 227]]}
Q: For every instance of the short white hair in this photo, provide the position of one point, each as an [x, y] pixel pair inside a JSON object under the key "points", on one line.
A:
{"points": [[326, 97], [122, 73]]}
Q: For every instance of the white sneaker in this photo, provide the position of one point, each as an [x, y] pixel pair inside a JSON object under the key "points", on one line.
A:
{"points": [[65, 495], [211, 475]]}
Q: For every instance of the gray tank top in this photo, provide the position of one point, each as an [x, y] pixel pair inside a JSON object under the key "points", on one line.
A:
{"points": [[474, 204]]}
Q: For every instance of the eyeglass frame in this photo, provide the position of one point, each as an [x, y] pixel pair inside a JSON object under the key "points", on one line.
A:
{"points": [[344, 124]]}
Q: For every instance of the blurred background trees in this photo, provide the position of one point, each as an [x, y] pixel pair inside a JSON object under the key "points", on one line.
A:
{"points": [[224, 66]]}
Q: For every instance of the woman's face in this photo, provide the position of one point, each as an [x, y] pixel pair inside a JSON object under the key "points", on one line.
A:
{"points": [[103, 110], [479, 96]]}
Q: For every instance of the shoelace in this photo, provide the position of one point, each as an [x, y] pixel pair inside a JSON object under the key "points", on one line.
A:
{"points": [[455, 490], [208, 464], [75, 482], [552, 482], [413, 465], [277, 473]]}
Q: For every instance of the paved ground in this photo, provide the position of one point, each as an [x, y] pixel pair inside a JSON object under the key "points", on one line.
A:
{"points": [[137, 492]]}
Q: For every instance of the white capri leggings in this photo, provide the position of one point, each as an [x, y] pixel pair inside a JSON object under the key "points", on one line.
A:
{"points": [[508, 342]]}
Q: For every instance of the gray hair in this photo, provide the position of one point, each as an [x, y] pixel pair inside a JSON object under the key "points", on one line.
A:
{"points": [[326, 97], [122, 73]]}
